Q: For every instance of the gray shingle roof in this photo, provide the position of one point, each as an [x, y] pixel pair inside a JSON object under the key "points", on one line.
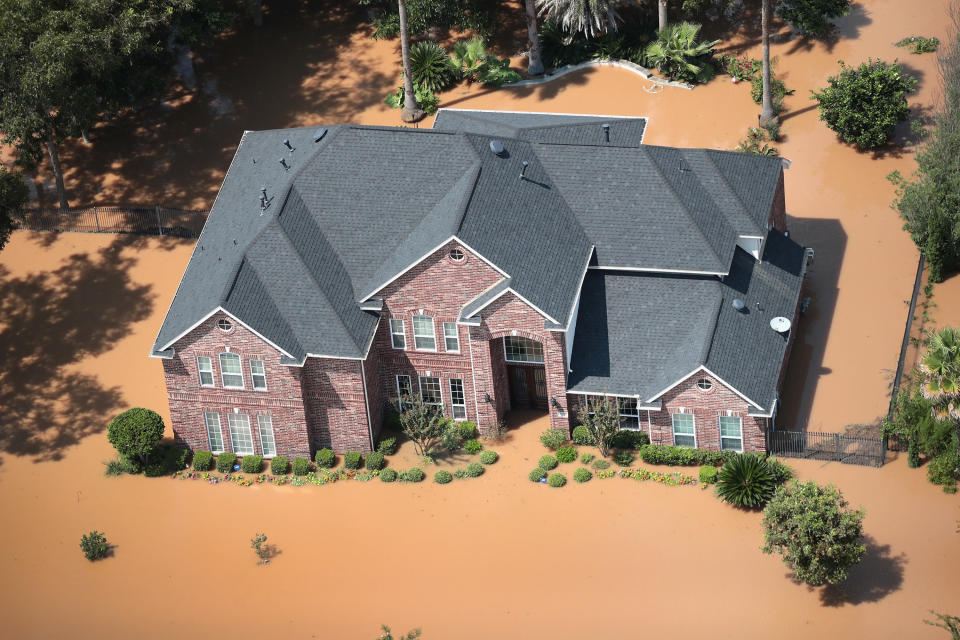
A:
{"points": [[555, 128]]}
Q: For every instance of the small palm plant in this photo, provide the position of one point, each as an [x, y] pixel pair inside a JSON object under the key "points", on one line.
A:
{"points": [[941, 371], [746, 481], [677, 53], [431, 67], [470, 58]]}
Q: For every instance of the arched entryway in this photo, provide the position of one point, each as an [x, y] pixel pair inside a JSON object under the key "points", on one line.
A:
{"points": [[526, 373]]}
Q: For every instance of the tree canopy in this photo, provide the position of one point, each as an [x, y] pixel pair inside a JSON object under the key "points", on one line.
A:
{"points": [[812, 17], [13, 195]]}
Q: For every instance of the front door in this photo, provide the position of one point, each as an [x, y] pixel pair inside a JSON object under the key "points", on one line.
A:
{"points": [[528, 387]]}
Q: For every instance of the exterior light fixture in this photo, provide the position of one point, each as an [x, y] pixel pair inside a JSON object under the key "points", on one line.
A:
{"points": [[488, 399]]}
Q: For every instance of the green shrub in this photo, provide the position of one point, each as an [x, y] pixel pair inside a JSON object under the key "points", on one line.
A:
{"points": [[587, 458], [537, 475], [811, 17], [945, 470], [920, 44], [474, 469], [166, 459], [251, 464], [301, 466], [708, 474], [387, 446], [600, 464], [415, 474], [121, 466], [225, 462], [629, 439], [94, 545], [388, 475], [553, 438], [678, 55], [325, 459], [460, 474], [202, 461], [683, 456], [136, 433], [581, 436], [624, 458], [472, 446], [582, 475], [426, 99], [756, 143], [566, 454], [375, 461], [497, 71], [352, 460], [442, 477], [391, 423], [557, 480], [468, 429], [430, 66], [781, 472], [488, 457], [746, 481], [279, 465], [547, 462]]}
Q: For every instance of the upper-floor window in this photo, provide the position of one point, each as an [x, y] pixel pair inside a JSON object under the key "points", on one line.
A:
{"points": [[258, 374], [684, 433], [629, 413], [397, 337], [519, 349], [430, 391], [451, 339], [224, 325], [731, 433], [230, 371], [205, 369], [424, 336]]}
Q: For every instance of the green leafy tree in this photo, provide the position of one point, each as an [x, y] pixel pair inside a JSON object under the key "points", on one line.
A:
{"points": [[589, 17], [864, 104], [427, 428], [812, 17], [136, 433], [602, 420], [811, 526], [94, 545], [677, 53], [13, 196]]}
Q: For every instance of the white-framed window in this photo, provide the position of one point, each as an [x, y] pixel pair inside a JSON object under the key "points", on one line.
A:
{"points": [[224, 325], [267, 444], [684, 432], [205, 369], [430, 391], [458, 399], [704, 384], [424, 335], [397, 337], [404, 389], [451, 337], [214, 434], [230, 371], [731, 433], [519, 349], [240, 437], [258, 374], [456, 255], [629, 413]]}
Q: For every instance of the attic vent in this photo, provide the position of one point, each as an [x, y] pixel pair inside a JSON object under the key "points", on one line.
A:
{"points": [[497, 147], [606, 132], [739, 304], [319, 133]]}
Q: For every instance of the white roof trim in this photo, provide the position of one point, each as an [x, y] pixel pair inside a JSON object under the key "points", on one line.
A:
{"points": [[656, 270], [514, 292], [235, 319], [704, 368], [540, 113], [583, 278]]}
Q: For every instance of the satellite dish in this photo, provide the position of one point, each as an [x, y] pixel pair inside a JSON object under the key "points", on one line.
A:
{"points": [[780, 324]]}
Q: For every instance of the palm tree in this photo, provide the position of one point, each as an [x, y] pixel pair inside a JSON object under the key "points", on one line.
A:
{"points": [[588, 16], [940, 367], [534, 63], [411, 112], [662, 14], [767, 114], [677, 53]]}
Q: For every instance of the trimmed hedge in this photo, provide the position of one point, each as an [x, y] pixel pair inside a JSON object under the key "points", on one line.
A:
{"points": [[582, 475], [537, 475], [557, 480], [468, 429], [581, 436], [388, 475], [352, 460], [279, 465], [374, 461], [488, 456], [225, 462], [472, 446], [566, 454], [442, 477], [683, 456], [553, 438], [326, 458], [708, 474], [547, 462], [474, 469], [301, 466], [628, 439], [202, 461], [251, 464], [387, 446]]}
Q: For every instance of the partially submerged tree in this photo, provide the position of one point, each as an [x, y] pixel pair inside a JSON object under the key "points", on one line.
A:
{"points": [[136, 433], [767, 114], [661, 15], [940, 367], [13, 196], [602, 420], [812, 17], [534, 59], [590, 17], [411, 112], [426, 426], [679, 55]]}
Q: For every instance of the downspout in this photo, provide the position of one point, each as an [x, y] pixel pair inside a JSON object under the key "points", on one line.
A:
{"points": [[473, 375], [366, 403]]}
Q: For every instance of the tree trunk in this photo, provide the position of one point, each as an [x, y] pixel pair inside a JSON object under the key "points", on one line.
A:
{"points": [[411, 111], [767, 114], [534, 62], [662, 14], [256, 12], [57, 171]]}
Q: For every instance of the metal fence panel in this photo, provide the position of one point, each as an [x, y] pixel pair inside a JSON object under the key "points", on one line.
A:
{"points": [[827, 446], [155, 220]]}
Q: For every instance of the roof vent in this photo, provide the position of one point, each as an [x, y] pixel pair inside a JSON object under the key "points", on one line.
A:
{"points": [[606, 131], [283, 161], [319, 133], [780, 324], [739, 304], [287, 144], [523, 170], [497, 147]]}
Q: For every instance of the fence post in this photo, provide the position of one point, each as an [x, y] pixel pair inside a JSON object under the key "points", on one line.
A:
{"points": [[159, 226], [96, 218], [836, 440]]}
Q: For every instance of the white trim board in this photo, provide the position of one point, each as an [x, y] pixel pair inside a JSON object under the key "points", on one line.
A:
{"points": [[704, 368], [235, 319], [659, 270]]}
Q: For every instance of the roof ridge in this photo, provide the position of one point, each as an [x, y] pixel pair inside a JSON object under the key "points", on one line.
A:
{"points": [[711, 332], [723, 177]]}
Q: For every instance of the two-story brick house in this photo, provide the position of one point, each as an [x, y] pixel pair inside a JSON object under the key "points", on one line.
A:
{"points": [[498, 261]]}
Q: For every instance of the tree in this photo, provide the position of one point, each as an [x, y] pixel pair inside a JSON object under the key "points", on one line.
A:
{"points": [[534, 61], [940, 368], [426, 426], [677, 53], [590, 17], [661, 14], [411, 112], [602, 420], [947, 622], [13, 196], [767, 114], [812, 17], [136, 433], [811, 526]]}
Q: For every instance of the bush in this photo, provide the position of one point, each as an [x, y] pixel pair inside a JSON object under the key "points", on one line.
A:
{"points": [[678, 55], [488, 457], [468, 429], [624, 458], [781, 472], [387, 446], [566, 454], [472, 446], [547, 462], [120, 466], [225, 462], [374, 461], [326, 459], [756, 142], [166, 458], [202, 461], [426, 99], [863, 105], [920, 44], [746, 481], [628, 439], [388, 475], [442, 477], [537, 475], [557, 480], [600, 465], [301, 466], [553, 438], [582, 475], [94, 545], [352, 460], [136, 433], [251, 464], [587, 458], [708, 474], [581, 436], [474, 469], [430, 66], [683, 456], [415, 474], [460, 474], [391, 423], [279, 465], [811, 17], [945, 470], [812, 528]]}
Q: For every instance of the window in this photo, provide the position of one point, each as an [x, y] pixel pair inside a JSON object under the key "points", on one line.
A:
{"points": [[430, 391], [423, 335], [451, 339], [214, 435], [456, 255], [224, 325], [403, 389], [457, 399], [267, 444], [258, 374], [704, 385], [517, 349], [205, 367], [397, 337], [240, 437], [230, 371], [683, 431], [731, 433], [629, 414]]}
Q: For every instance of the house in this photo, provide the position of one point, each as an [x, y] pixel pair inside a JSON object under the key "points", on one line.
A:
{"points": [[498, 261]]}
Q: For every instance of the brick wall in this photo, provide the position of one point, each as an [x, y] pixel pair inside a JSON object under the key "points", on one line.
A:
{"points": [[778, 210], [332, 393]]}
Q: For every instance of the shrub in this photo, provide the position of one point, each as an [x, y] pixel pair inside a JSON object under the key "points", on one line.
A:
{"points": [[682, 456], [415, 474], [587, 458], [426, 99], [920, 44], [488, 457], [781, 472], [279, 465], [388, 475], [374, 461], [472, 446], [745, 481], [557, 480], [497, 71], [678, 55], [301, 466], [812, 528], [600, 464], [601, 418], [94, 545], [442, 477], [863, 105], [427, 428], [260, 547], [391, 423], [537, 475], [624, 458], [945, 470], [326, 459], [251, 464], [812, 16], [387, 446], [467, 429], [202, 461], [166, 458], [582, 475], [628, 439], [136, 433], [553, 438], [474, 469], [708, 474], [756, 143], [547, 462], [352, 460], [566, 454], [460, 474], [225, 462], [430, 66], [120, 466], [581, 436]]}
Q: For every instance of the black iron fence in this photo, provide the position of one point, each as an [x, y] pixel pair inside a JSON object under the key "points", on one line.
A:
{"points": [[155, 220], [827, 446]]}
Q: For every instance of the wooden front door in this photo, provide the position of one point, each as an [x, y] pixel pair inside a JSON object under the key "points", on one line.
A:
{"points": [[528, 387]]}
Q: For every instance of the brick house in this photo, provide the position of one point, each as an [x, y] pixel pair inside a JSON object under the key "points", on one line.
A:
{"points": [[498, 261]]}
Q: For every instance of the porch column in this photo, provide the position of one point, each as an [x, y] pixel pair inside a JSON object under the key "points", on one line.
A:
{"points": [[555, 365], [483, 380]]}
